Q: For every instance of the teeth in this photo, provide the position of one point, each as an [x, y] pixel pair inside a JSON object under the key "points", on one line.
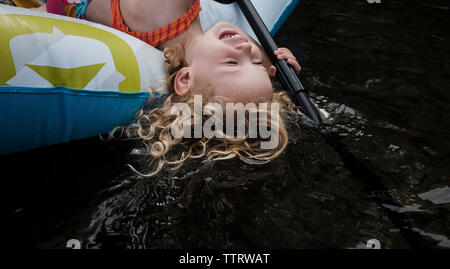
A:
{"points": [[230, 36]]}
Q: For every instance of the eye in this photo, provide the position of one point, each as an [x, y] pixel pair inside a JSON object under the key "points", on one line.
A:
{"points": [[258, 63], [232, 62]]}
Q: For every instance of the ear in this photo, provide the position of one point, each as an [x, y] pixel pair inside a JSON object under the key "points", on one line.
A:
{"points": [[272, 71], [182, 82]]}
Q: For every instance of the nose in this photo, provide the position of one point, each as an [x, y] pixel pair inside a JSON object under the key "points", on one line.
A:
{"points": [[244, 47]]}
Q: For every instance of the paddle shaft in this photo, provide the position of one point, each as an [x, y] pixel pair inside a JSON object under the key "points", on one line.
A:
{"points": [[285, 72]]}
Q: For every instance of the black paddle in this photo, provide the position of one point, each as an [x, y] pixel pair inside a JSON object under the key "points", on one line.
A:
{"points": [[286, 74]]}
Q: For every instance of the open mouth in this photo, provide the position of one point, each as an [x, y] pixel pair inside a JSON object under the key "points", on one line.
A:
{"points": [[229, 34]]}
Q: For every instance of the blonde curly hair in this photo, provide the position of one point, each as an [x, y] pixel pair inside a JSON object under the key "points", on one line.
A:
{"points": [[153, 127]]}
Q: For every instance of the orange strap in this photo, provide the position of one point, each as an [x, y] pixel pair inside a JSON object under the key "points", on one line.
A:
{"points": [[154, 38]]}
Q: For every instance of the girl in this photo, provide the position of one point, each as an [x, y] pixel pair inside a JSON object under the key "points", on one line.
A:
{"points": [[149, 20], [222, 63]]}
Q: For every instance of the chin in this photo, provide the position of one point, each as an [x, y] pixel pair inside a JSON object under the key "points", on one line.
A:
{"points": [[265, 98]]}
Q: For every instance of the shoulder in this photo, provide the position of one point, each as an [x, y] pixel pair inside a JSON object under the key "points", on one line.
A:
{"points": [[99, 11]]}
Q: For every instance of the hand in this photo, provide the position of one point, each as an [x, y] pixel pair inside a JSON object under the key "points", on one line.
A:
{"points": [[286, 54]]}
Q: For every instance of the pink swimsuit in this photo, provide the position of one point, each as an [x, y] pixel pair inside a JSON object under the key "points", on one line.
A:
{"points": [[72, 8]]}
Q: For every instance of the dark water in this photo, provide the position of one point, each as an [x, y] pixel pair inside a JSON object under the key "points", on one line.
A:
{"points": [[381, 71]]}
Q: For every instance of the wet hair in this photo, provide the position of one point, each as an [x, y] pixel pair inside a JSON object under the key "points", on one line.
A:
{"points": [[153, 129]]}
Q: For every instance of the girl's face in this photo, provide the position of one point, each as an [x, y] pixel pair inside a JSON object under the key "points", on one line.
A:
{"points": [[230, 63]]}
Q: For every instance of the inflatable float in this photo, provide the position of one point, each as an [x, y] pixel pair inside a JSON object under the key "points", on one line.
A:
{"points": [[63, 79]]}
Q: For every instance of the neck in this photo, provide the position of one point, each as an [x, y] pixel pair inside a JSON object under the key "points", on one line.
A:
{"points": [[185, 40], [194, 31]]}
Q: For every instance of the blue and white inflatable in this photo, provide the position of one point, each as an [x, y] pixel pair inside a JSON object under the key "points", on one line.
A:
{"points": [[63, 79]]}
